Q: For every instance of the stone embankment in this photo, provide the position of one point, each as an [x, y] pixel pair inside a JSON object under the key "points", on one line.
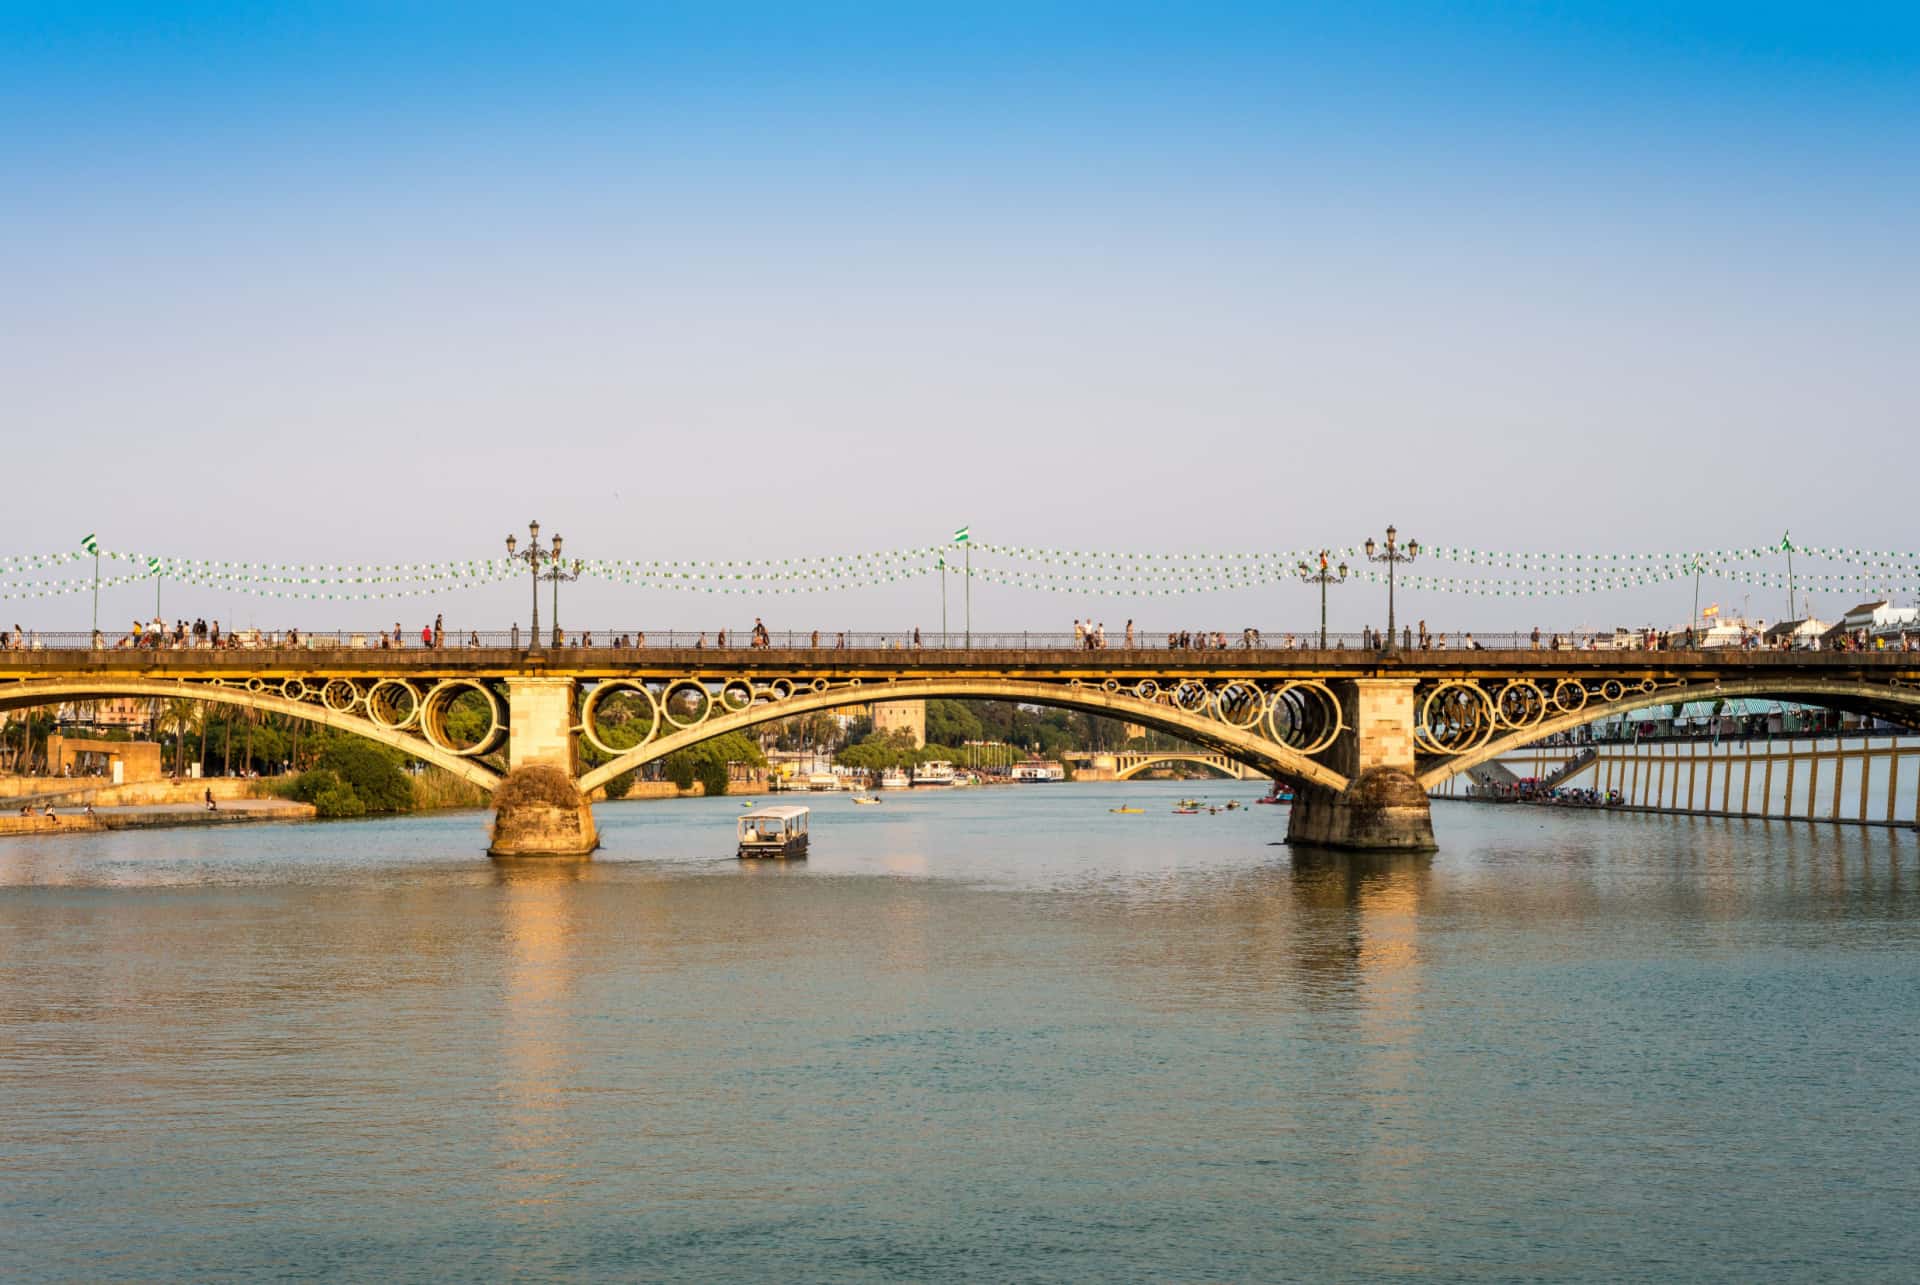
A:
{"points": [[166, 816]]}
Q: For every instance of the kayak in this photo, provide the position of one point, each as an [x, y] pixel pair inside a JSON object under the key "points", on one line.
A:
{"points": [[1126, 809]]}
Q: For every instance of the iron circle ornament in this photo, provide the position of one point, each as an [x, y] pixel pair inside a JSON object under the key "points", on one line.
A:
{"points": [[393, 703], [1569, 696], [438, 702], [1612, 690], [293, 689], [700, 692], [339, 695], [1192, 697], [1520, 704], [1455, 717], [1305, 716], [1239, 704], [590, 714], [736, 694], [1146, 689]]}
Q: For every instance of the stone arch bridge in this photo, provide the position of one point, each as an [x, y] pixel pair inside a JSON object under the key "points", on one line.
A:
{"points": [[1361, 735]]}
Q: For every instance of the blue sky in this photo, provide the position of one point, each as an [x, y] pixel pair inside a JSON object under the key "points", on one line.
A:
{"points": [[381, 282]]}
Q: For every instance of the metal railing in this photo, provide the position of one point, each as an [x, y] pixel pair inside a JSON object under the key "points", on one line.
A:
{"points": [[740, 640]]}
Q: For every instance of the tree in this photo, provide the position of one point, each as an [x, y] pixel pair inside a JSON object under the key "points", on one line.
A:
{"points": [[950, 722], [371, 771]]}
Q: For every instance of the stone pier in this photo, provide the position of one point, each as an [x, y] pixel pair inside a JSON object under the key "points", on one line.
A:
{"points": [[538, 811], [1383, 809]]}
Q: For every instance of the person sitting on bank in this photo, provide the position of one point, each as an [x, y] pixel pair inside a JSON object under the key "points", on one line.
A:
{"points": [[211, 805]]}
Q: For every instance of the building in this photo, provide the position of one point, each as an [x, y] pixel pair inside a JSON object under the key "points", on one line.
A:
{"points": [[908, 716]]}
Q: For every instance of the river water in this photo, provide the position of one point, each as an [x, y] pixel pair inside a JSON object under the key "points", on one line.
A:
{"points": [[997, 1034]]}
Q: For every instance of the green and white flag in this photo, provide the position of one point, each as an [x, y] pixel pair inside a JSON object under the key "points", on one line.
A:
{"points": [[959, 537], [91, 543], [153, 565]]}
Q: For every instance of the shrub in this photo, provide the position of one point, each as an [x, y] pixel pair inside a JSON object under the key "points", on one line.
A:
{"points": [[618, 787], [713, 777], [311, 784], [339, 800], [373, 771]]}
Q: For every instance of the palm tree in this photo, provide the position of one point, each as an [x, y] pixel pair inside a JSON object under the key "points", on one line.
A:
{"points": [[180, 716]]}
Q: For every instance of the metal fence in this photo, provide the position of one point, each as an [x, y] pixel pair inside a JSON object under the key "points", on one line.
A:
{"points": [[732, 640]]}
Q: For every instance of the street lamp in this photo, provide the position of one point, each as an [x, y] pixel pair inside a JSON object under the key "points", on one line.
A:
{"points": [[1393, 554], [534, 557], [559, 573], [1322, 577]]}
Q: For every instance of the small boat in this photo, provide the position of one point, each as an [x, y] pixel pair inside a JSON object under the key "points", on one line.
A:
{"points": [[1186, 812], [1128, 810], [747, 804], [894, 779], [864, 799], [774, 832], [1278, 794]]}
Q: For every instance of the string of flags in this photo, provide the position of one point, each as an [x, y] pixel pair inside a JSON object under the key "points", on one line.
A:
{"points": [[1044, 569]]}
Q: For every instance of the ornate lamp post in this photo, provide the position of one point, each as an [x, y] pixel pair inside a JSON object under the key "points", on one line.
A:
{"points": [[1393, 554], [1322, 577], [534, 557], [558, 574]]}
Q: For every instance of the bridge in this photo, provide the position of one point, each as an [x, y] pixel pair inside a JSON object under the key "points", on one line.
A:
{"points": [[1124, 765], [1363, 736]]}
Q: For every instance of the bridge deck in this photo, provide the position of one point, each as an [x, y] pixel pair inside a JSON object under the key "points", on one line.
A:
{"points": [[882, 664]]}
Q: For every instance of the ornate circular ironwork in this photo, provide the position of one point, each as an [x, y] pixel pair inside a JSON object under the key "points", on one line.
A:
{"points": [[433, 716], [737, 694], [1304, 715], [1520, 704], [393, 703], [1146, 689], [1569, 696], [1239, 704], [699, 689], [1612, 690], [1191, 697], [339, 695], [1454, 718], [590, 714]]}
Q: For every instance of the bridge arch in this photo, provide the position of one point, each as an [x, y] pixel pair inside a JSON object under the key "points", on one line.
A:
{"points": [[36, 692], [1882, 699], [1153, 758], [1243, 745]]}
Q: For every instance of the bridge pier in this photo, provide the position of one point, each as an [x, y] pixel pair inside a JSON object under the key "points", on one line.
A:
{"points": [[1383, 808], [538, 810]]}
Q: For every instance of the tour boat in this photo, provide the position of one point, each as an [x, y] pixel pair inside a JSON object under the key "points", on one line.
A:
{"points": [[933, 772], [1036, 771], [894, 779], [774, 832]]}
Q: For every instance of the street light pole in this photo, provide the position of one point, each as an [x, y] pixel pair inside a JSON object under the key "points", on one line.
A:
{"points": [[1322, 577], [556, 574], [1392, 554], [533, 557]]}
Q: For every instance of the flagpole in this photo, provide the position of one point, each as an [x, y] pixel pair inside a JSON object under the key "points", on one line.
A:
{"points": [[969, 595], [96, 592], [943, 600]]}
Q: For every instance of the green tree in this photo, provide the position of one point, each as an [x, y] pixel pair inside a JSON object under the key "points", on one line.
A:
{"points": [[371, 771]]}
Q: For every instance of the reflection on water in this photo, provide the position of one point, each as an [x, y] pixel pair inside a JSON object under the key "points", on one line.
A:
{"points": [[997, 1033]]}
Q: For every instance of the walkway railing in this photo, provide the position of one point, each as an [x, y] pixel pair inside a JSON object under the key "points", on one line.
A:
{"points": [[796, 639]]}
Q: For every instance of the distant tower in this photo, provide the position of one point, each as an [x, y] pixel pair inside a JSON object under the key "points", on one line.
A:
{"points": [[911, 716]]}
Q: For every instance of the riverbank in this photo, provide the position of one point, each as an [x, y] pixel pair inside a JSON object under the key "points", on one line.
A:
{"points": [[157, 817]]}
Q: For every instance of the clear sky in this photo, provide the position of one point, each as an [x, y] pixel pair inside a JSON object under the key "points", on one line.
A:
{"points": [[381, 282]]}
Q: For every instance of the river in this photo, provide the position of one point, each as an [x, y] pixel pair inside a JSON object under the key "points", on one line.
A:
{"points": [[999, 1034]]}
